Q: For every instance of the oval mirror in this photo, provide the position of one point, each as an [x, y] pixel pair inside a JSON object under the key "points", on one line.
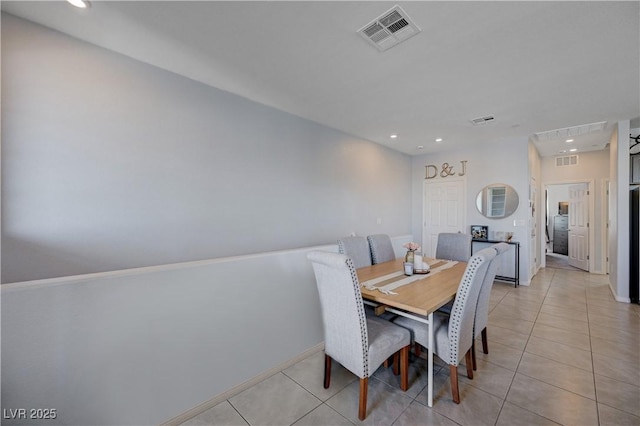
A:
{"points": [[497, 201]]}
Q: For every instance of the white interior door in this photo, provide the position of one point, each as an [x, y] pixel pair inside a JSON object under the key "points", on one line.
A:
{"points": [[444, 211], [579, 226]]}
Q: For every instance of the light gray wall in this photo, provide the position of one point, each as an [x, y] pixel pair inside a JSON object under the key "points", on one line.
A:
{"points": [[485, 165], [140, 347], [109, 163]]}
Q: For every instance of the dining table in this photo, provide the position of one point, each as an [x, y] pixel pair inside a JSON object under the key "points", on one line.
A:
{"points": [[386, 287]]}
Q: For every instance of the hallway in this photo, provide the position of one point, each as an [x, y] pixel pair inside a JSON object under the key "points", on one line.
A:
{"points": [[558, 261]]}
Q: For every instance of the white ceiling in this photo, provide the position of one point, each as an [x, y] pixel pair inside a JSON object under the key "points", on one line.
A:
{"points": [[535, 66]]}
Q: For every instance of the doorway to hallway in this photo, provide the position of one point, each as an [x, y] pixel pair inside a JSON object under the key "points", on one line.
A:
{"points": [[567, 225]]}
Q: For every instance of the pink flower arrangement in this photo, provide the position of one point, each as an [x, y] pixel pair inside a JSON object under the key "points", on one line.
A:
{"points": [[411, 246]]}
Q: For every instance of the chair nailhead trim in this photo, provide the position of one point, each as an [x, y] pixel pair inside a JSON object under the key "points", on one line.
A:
{"points": [[361, 316]]}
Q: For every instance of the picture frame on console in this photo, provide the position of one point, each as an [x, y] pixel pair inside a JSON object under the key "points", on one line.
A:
{"points": [[479, 232]]}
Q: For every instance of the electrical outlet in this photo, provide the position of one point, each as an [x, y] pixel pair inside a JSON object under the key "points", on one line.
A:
{"points": [[379, 221]]}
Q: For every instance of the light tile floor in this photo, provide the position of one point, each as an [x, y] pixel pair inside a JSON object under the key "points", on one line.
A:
{"points": [[561, 351]]}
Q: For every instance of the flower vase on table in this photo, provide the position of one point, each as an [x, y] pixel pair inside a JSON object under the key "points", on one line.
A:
{"points": [[411, 250], [409, 257]]}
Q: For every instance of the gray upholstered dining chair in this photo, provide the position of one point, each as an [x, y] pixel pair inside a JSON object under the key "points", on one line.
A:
{"points": [[482, 310], [453, 334], [381, 248], [357, 248], [359, 343], [453, 246]]}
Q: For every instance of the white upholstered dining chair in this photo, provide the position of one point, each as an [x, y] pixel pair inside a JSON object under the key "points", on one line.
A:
{"points": [[359, 343], [357, 248], [453, 246], [381, 248], [453, 334]]}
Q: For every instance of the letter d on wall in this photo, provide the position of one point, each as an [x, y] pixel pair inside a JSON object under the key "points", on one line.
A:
{"points": [[433, 168]]}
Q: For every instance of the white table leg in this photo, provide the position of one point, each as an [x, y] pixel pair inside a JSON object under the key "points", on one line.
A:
{"points": [[429, 323], [430, 363]]}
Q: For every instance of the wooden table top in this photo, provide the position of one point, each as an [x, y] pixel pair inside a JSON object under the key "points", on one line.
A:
{"points": [[422, 296]]}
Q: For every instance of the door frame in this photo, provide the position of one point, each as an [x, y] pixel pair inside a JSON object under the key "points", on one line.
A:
{"points": [[592, 207], [606, 185]]}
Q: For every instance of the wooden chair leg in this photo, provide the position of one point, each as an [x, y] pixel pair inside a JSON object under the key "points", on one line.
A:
{"points": [[485, 345], [417, 349], [385, 364], [404, 367], [362, 407], [473, 354], [455, 393], [469, 362], [396, 363], [327, 371]]}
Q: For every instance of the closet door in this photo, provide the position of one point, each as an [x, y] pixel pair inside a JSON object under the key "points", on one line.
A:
{"points": [[444, 211]]}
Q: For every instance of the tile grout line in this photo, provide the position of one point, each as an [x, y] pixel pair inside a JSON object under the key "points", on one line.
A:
{"points": [[593, 366], [239, 413], [504, 401]]}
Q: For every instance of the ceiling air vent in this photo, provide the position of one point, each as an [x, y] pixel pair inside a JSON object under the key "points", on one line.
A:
{"points": [[568, 160], [483, 120], [389, 29]]}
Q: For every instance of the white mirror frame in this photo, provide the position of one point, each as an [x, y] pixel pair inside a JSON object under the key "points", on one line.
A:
{"points": [[497, 201]]}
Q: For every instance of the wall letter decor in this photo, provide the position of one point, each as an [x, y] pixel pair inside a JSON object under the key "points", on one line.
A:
{"points": [[445, 171]]}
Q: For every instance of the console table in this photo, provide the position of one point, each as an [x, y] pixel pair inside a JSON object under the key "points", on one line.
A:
{"points": [[515, 279]]}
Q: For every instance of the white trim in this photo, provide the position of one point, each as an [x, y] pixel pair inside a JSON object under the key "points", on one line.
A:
{"points": [[166, 267], [150, 269], [199, 409], [604, 206], [615, 295]]}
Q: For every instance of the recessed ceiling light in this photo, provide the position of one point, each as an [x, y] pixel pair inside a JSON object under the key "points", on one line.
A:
{"points": [[394, 136], [83, 4], [439, 140], [569, 140], [420, 147], [573, 149]]}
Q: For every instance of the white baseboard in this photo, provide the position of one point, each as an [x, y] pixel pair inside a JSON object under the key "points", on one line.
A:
{"points": [[240, 388]]}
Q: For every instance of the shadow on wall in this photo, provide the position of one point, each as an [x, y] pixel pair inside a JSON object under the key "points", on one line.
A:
{"points": [[20, 256]]}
